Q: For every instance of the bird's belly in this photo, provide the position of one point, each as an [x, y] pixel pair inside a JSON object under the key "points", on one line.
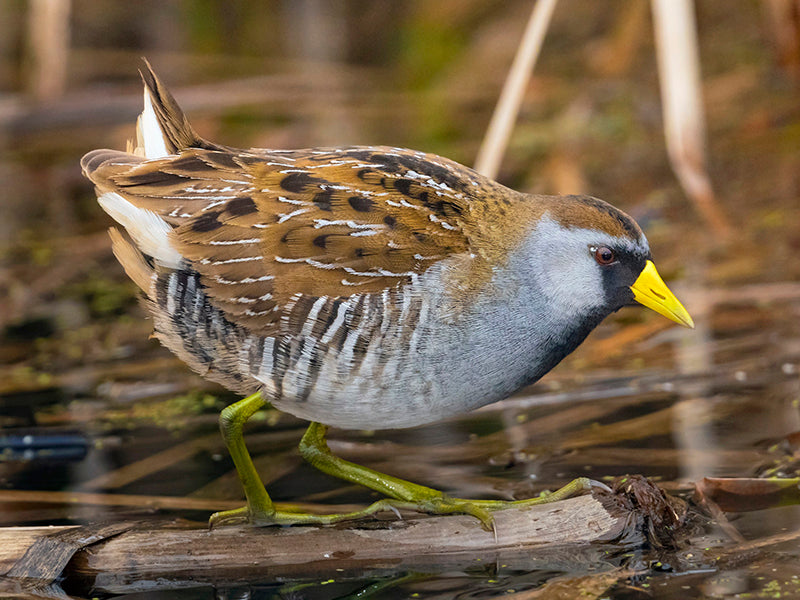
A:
{"points": [[394, 382], [382, 387]]}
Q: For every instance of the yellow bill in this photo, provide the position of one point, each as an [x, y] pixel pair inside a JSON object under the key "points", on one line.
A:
{"points": [[651, 291]]}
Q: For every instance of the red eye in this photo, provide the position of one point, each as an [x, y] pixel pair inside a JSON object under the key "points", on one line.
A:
{"points": [[603, 255]]}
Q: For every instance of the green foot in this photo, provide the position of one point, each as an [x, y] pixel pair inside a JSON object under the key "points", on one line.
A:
{"points": [[573, 488], [246, 515]]}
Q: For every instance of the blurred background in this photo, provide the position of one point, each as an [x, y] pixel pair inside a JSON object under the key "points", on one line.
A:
{"points": [[80, 377]]}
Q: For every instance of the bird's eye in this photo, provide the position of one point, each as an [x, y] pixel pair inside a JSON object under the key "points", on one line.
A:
{"points": [[603, 255]]}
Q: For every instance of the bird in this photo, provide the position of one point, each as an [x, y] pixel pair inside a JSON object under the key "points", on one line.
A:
{"points": [[358, 287]]}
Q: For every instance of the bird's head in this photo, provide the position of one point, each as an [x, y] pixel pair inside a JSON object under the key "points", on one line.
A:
{"points": [[589, 259]]}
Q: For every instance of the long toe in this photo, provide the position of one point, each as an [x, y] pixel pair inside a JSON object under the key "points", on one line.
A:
{"points": [[236, 516]]}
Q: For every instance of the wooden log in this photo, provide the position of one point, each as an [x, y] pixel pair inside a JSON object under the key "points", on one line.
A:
{"points": [[125, 557], [116, 557]]}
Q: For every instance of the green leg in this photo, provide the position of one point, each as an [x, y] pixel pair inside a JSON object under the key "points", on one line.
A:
{"points": [[260, 509], [315, 450], [259, 505]]}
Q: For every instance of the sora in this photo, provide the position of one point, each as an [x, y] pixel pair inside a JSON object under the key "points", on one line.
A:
{"points": [[359, 287]]}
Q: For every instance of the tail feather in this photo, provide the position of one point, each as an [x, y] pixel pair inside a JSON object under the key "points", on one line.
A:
{"points": [[162, 128], [132, 260], [148, 217]]}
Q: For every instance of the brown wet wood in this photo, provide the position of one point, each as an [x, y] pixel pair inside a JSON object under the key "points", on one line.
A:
{"points": [[47, 555], [152, 551]]}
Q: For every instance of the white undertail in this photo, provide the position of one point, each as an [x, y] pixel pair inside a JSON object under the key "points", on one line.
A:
{"points": [[149, 231]]}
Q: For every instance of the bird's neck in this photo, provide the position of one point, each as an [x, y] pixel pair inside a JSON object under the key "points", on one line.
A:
{"points": [[504, 340]]}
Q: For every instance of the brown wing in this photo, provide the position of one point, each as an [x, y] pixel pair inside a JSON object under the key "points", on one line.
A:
{"points": [[266, 227]]}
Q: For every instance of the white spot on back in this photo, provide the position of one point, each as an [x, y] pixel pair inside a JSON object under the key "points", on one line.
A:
{"points": [[149, 132]]}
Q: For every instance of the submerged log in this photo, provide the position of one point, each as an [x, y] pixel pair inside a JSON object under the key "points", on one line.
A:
{"points": [[126, 557]]}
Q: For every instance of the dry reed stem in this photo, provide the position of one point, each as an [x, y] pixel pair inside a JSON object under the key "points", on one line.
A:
{"points": [[505, 114], [684, 120]]}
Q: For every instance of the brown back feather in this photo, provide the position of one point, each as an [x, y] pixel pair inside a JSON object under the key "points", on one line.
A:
{"points": [[262, 227]]}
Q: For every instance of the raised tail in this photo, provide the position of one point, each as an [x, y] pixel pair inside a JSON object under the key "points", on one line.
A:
{"points": [[162, 128]]}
